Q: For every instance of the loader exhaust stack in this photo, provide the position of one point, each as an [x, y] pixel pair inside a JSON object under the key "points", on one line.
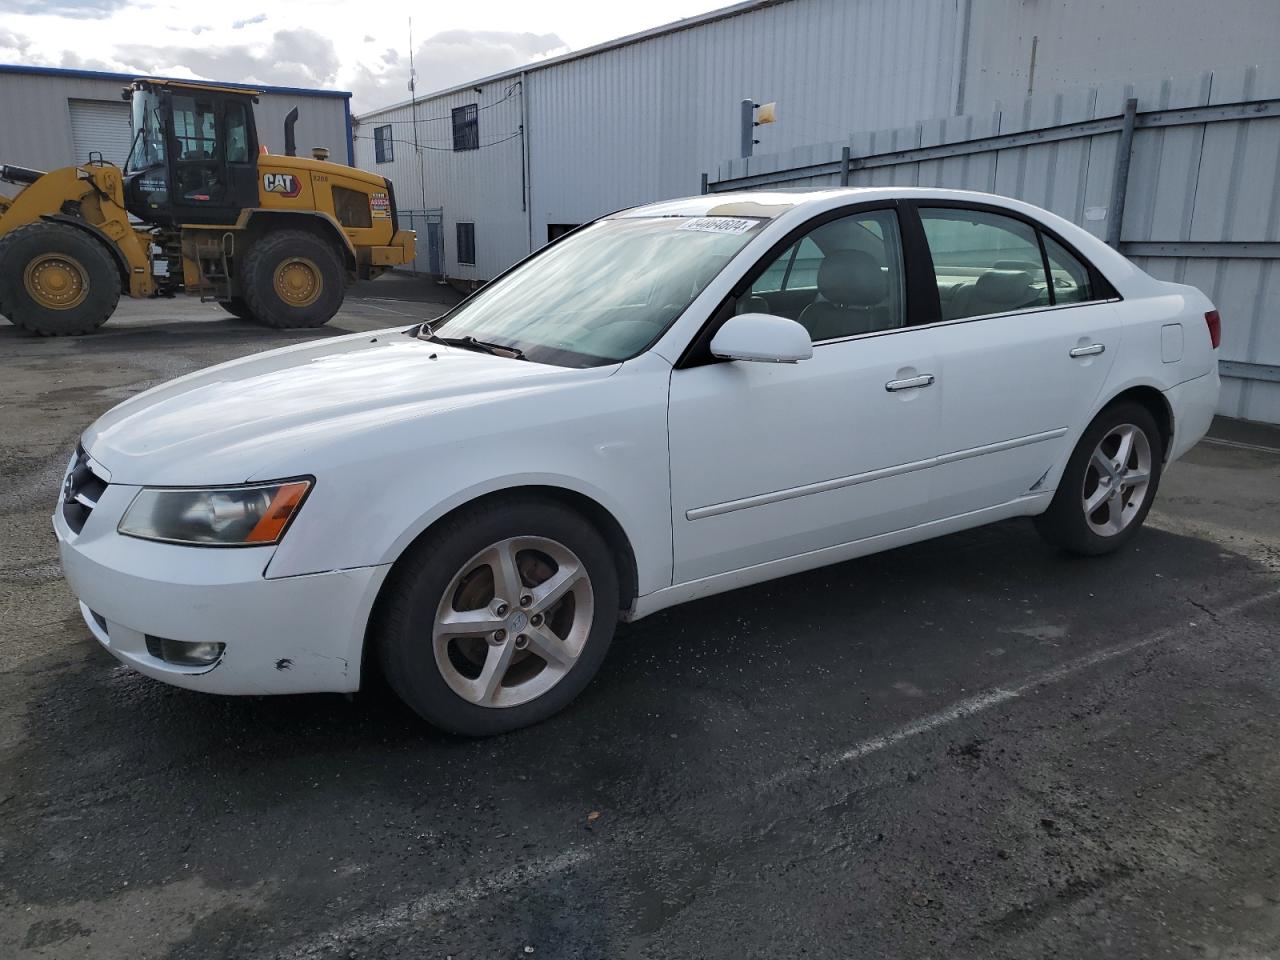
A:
{"points": [[290, 144]]}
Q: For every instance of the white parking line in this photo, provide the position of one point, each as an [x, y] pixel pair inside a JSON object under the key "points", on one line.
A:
{"points": [[995, 697], [473, 890], [442, 901]]}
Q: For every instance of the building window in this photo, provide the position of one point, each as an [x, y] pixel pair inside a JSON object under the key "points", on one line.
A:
{"points": [[467, 243], [466, 127], [383, 152]]}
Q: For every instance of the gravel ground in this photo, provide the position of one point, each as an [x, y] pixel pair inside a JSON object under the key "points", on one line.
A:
{"points": [[975, 747]]}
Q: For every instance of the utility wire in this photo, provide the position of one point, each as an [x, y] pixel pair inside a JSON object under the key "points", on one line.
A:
{"points": [[509, 94], [423, 146]]}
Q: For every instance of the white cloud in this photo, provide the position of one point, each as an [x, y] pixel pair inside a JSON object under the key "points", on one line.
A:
{"points": [[238, 42]]}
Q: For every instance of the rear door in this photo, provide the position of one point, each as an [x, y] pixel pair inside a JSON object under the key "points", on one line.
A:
{"points": [[1027, 336]]}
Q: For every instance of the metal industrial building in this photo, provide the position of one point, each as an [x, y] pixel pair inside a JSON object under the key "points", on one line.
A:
{"points": [[52, 118], [505, 163]]}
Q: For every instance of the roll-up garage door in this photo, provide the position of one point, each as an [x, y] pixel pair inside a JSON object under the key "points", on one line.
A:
{"points": [[101, 125]]}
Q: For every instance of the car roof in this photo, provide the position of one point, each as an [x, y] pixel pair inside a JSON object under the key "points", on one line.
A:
{"points": [[785, 208], [775, 202]]}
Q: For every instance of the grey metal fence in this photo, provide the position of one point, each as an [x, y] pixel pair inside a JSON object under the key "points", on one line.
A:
{"points": [[429, 252], [1194, 198]]}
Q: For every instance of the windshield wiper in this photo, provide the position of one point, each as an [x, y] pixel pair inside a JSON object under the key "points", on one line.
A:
{"points": [[425, 332]]}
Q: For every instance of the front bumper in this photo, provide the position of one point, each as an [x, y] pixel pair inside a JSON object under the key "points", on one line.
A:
{"points": [[300, 634]]}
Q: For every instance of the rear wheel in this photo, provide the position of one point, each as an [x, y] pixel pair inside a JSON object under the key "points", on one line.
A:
{"points": [[292, 279], [56, 280], [1109, 483], [236, 307], [500, 618]]}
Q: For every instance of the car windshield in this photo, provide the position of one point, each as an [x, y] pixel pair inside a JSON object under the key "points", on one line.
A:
{"points": [[602, 294]]}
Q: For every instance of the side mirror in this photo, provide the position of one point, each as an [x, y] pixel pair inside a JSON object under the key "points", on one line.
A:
{"points": [[763, 338]]}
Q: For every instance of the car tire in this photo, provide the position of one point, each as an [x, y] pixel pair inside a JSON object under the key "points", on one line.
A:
{"points": [[57, 280], [451, 581], [1087, 516], [292, 280]]}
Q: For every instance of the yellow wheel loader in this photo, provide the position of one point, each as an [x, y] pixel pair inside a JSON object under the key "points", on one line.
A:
{"points": [[199, 208]]}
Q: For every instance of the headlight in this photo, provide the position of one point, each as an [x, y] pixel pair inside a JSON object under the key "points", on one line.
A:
{"points": [[247, 516]]}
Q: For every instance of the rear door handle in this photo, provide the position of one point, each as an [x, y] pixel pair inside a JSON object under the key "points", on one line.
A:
{"points": [[911, 383], [1090, 351]]}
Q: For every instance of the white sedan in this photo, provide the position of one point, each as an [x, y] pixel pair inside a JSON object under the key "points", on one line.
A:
{"points": [[673, 401]]}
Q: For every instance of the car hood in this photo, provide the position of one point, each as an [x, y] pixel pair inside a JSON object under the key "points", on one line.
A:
{"points": [[233, 422]]}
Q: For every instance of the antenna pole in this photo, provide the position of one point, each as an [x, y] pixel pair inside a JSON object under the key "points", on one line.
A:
{"points": [[413, 100]]}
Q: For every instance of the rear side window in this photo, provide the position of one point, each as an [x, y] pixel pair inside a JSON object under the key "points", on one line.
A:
{"points": [[1070, 277], [984, 263]]}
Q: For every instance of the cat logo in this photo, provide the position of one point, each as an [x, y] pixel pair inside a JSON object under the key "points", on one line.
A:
{"points": [[285, 184]]}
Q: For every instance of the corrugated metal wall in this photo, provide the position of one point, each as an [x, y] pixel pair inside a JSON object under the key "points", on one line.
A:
{"points": [[642, 121], [481, 186], [35, 117], [632, 124], [1203, 196]]}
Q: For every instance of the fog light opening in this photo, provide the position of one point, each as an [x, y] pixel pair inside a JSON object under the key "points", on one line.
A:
{"points": [[183, 653]]}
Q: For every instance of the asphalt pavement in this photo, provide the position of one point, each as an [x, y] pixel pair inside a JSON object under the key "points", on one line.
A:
{"points": [[974, 747]]}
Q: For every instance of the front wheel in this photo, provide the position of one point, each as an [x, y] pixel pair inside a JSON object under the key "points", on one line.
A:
{"points": [[1109, 483], [56, 279], [499, 618]]}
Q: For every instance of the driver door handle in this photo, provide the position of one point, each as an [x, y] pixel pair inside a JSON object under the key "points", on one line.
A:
{"points": [[1090, 351], [911, 383]]}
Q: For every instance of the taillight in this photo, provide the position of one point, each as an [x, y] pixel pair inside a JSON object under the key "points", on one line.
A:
{"points": [[1214, 323]]}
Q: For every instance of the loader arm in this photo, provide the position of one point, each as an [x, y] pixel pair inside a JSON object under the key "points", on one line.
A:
{"points": [[89, 198]]}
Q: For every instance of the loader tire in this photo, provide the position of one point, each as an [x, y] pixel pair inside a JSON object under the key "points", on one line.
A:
{"points": [[292, 279], [56, 280], [236, 307]]}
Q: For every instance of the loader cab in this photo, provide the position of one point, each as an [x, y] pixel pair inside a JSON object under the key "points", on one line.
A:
{"points": [[194, 157]]}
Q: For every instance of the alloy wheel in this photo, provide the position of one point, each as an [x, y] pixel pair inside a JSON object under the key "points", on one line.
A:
{"points": [[513, 621], [1116, 480]]}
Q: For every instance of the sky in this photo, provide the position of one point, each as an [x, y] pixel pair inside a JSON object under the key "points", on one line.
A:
{"points": [[336, 44]]}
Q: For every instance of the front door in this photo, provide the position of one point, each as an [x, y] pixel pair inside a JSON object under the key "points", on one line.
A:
{"points": [[770, 461], [213, 166]]}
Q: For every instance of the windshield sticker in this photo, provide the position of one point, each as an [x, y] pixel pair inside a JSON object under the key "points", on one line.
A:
{"points": [[730, 225]]}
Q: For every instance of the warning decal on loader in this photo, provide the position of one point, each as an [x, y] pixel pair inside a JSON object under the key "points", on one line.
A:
{"points": [[379, 206]]}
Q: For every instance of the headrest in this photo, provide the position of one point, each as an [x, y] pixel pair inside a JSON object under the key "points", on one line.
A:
{"points": [[1004, 286], [852, 278]]}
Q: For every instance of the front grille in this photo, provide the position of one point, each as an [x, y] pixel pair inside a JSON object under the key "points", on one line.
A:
{"points": [[81, 491]]}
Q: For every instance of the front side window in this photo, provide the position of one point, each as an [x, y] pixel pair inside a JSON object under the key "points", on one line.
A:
{"points": [[466, 127], [383, 149], [841, 279], [195, 128], [984, 263], [605, 293]]}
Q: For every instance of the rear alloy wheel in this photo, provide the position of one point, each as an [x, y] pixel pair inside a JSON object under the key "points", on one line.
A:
{"points": [[57, 280], [292, 279], [1109, 483], [500, 618], [1116, 480]]}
